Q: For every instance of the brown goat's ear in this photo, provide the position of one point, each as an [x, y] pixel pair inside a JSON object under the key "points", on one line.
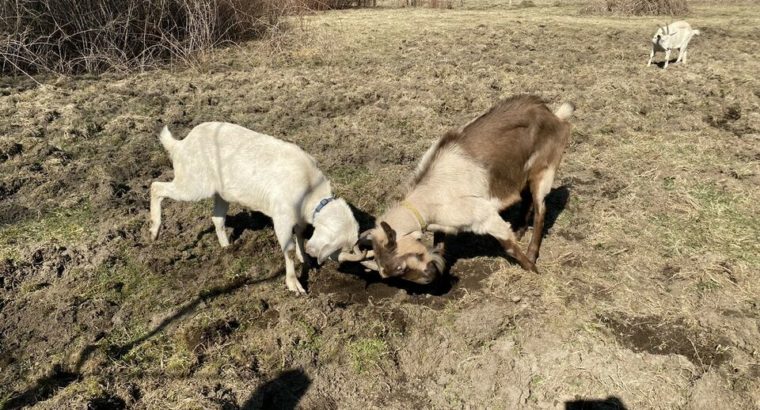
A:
{"points": [[390, 233]]}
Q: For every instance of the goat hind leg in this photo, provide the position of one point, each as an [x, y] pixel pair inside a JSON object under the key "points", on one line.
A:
{"points": [[526, 210], [158, 191], [220, 214], [540, 187]]}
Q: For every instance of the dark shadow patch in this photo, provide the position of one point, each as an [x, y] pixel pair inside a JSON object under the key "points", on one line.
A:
{"points": [[467, 245], [610, 403], [45, 388], [351, 284], [661, 64], [655, 335], [107, 403], [365, 220], [283, 392], [246, 220]]}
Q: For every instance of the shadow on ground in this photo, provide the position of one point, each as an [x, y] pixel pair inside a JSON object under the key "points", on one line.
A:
{"points": [[610, 403], [468, 245], [60, 377], [283, 392]]}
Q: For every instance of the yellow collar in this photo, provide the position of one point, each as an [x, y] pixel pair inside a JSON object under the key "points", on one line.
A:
{"points": [[416, 213]]}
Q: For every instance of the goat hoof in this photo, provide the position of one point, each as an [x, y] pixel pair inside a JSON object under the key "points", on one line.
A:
{"points": [[294, 286], [153, 234]]}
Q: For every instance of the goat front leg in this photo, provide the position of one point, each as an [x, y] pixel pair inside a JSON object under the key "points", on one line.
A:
{"points": [[300, 252], [540, 187], [220, 214], [283, 228], [501, 230], [667, 58], [651, 57]]}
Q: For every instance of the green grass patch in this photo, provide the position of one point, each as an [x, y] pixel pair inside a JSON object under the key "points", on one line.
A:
{"points": [[366, 353], [61, 226]]}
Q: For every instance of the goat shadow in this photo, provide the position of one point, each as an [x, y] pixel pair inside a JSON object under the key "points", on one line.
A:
{"points": [[661, 64], [467, 245], [610, 403], [283, 392]]}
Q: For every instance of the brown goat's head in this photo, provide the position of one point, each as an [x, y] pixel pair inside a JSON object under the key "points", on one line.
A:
{"points": [[406, 257]]}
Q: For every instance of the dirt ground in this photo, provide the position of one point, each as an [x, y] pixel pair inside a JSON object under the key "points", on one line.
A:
{"points": [[648, 295]]}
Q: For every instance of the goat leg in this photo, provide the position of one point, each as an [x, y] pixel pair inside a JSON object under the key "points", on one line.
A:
{"points": [[513, 249]]}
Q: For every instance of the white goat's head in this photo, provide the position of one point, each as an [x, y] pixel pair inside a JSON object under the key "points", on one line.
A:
{"points": [[336, 234]]}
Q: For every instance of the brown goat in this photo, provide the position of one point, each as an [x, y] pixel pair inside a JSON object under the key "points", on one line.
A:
{"points": [[466, 178]]}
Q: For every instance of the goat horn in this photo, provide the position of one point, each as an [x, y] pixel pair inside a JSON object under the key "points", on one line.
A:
{"points": [[355, 255], [371, 265]]}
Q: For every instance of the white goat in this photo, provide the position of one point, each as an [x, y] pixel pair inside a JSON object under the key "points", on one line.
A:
{"points": [[673, 36], [263, 173]]}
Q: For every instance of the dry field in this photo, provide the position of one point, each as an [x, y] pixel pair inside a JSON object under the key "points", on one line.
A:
{"points": [[648, 295]]}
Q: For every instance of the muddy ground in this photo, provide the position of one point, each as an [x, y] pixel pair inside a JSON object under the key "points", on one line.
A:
{"points": [[648, 295]]}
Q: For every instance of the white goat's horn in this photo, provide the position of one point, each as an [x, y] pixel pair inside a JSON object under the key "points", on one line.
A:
{"points": [[371, 265], [355, 255]]}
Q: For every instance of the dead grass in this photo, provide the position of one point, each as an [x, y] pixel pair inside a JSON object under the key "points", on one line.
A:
{"points": [[639, 7], [653, 239]]}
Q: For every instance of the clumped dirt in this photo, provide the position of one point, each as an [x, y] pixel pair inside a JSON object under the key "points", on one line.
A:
{"points": [[647, 296], [655, 335]]}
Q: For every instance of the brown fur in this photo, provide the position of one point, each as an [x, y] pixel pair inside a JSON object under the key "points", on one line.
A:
{"points": [[504, 138], [519, 143]]}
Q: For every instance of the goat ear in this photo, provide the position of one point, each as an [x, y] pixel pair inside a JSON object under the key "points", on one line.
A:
{"points": [[390, 233]]}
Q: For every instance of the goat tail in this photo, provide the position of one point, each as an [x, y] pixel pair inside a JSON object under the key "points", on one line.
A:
{"points": [[696, 32], [565, 111], [167, 140]]}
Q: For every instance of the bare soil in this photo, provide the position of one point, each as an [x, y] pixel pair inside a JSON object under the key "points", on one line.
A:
{"points": [[648, 294]]}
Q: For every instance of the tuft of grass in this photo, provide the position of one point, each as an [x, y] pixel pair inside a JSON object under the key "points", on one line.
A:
{"points": [[366, 353]]}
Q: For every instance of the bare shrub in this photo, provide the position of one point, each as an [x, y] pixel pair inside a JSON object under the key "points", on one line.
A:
{"points": [[71, 36], [638, 7], [436, 4], [335, 4]]}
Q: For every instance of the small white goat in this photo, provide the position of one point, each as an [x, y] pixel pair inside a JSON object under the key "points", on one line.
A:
{"points": [[673, 36], [263, 173]]}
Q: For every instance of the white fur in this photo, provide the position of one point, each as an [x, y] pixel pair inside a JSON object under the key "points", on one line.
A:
{"points": [[673, 36], [234, 164]]}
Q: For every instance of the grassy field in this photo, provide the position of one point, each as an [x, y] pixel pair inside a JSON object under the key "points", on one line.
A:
{"points": [[648, 297]]}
